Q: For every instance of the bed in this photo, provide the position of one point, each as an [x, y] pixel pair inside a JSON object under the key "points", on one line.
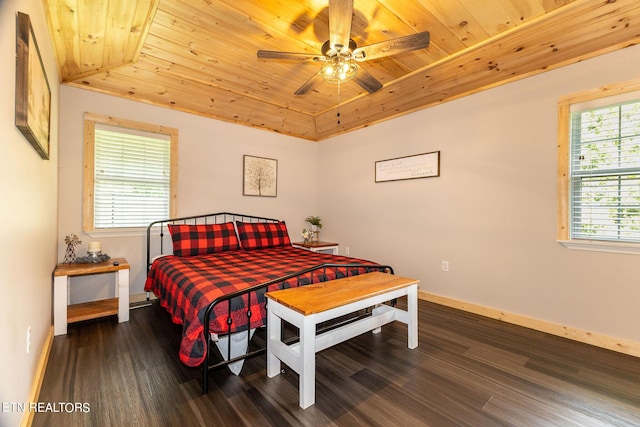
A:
{"points": [[211, 272]]}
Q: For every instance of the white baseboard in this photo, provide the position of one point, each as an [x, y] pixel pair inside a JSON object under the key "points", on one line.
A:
{"points": [[631, 348]]}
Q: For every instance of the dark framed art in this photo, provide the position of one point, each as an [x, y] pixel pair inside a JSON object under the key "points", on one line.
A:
{"points": [[424, 165], [260, 176], [33, 94]]}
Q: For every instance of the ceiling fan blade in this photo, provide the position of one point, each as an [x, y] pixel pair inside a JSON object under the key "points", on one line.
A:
{"points": [[367, 81], [272, 54], [314, 81], [392, 47], [340, 14]]}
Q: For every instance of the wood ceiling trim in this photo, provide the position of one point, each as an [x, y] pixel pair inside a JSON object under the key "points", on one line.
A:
{"points": [[200, 99], [199, 56], [539, 46], [143, 27]]}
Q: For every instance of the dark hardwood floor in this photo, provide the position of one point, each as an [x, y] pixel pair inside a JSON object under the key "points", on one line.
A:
{"points": [[467, 370]]}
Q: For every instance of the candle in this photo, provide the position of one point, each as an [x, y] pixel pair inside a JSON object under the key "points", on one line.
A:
{"points": [[94, 247]]}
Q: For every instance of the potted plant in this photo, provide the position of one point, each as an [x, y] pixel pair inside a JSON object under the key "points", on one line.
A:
{"points": [[314, 221], [316, 225]]}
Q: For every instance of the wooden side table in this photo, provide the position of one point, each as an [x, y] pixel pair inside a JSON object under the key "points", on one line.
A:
{"points": [[320, 247], [63, 313]]}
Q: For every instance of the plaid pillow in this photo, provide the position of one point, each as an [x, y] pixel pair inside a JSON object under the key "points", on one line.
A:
{"points": [[258, 235], [202, 239]]}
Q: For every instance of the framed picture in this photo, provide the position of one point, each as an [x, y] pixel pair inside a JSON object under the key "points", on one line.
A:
{"points": [[260, 177], [424, 165], [33, 94]]}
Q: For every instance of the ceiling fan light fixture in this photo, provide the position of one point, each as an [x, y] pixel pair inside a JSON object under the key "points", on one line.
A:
{"points": [[339, 69], [340, 54]]}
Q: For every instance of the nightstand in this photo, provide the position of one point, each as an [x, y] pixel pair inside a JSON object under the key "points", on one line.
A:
{"points": [[319, 247], [63, 313]]}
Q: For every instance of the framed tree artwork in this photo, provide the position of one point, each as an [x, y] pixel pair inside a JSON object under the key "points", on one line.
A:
{"points": [[260, 177], [33, 94]]}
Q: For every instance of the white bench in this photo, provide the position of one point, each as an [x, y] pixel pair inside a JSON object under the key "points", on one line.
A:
{"points": [[306, 306]]}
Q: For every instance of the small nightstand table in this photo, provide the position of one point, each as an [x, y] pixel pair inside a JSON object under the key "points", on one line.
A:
{"points": [[319, 247], [64, 313]]}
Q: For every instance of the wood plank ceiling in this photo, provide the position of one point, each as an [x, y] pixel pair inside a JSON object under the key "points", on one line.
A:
{"points": [[199, 56]]}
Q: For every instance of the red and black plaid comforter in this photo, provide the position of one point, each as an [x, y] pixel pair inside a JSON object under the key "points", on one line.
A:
{"points": [[185, 287]]}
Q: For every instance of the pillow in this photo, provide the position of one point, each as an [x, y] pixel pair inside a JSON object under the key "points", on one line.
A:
{"points": [[200, 239], [259, 235]]}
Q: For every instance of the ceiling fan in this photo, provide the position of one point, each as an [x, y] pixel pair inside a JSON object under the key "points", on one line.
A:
{"points": [[340, 55]]}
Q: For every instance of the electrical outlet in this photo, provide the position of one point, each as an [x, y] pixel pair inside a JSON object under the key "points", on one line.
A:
{"points": [[28, 339], [445, 265]]}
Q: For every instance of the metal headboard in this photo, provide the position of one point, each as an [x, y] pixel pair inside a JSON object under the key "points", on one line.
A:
{"points": [[157, 228]]}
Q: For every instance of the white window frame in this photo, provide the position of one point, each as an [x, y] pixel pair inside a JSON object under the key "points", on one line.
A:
{"points": [[615, 92], [90, 122]]}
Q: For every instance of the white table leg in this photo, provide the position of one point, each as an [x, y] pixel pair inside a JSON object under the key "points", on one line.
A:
{"points": [[374, 312], [412, 309], [60, 289], [308, 358], [122, 292], [274, 326]]}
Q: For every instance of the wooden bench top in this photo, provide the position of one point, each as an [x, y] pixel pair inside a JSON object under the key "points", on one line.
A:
{"points": [[325, 296]]}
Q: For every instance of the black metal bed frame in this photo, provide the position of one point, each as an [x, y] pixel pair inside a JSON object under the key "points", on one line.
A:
{"points": [[222, 217]]}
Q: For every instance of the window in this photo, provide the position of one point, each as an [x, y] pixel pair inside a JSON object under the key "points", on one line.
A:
{"points": [[130, 173], [599, 166]]}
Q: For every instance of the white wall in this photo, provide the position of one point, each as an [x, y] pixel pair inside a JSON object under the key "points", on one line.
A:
{"points": [[28, 214], [209, 177], [492, 213]]}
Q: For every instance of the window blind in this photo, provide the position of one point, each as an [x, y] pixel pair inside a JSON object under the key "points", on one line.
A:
{"points": [[605, 172], [131, 177]]}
